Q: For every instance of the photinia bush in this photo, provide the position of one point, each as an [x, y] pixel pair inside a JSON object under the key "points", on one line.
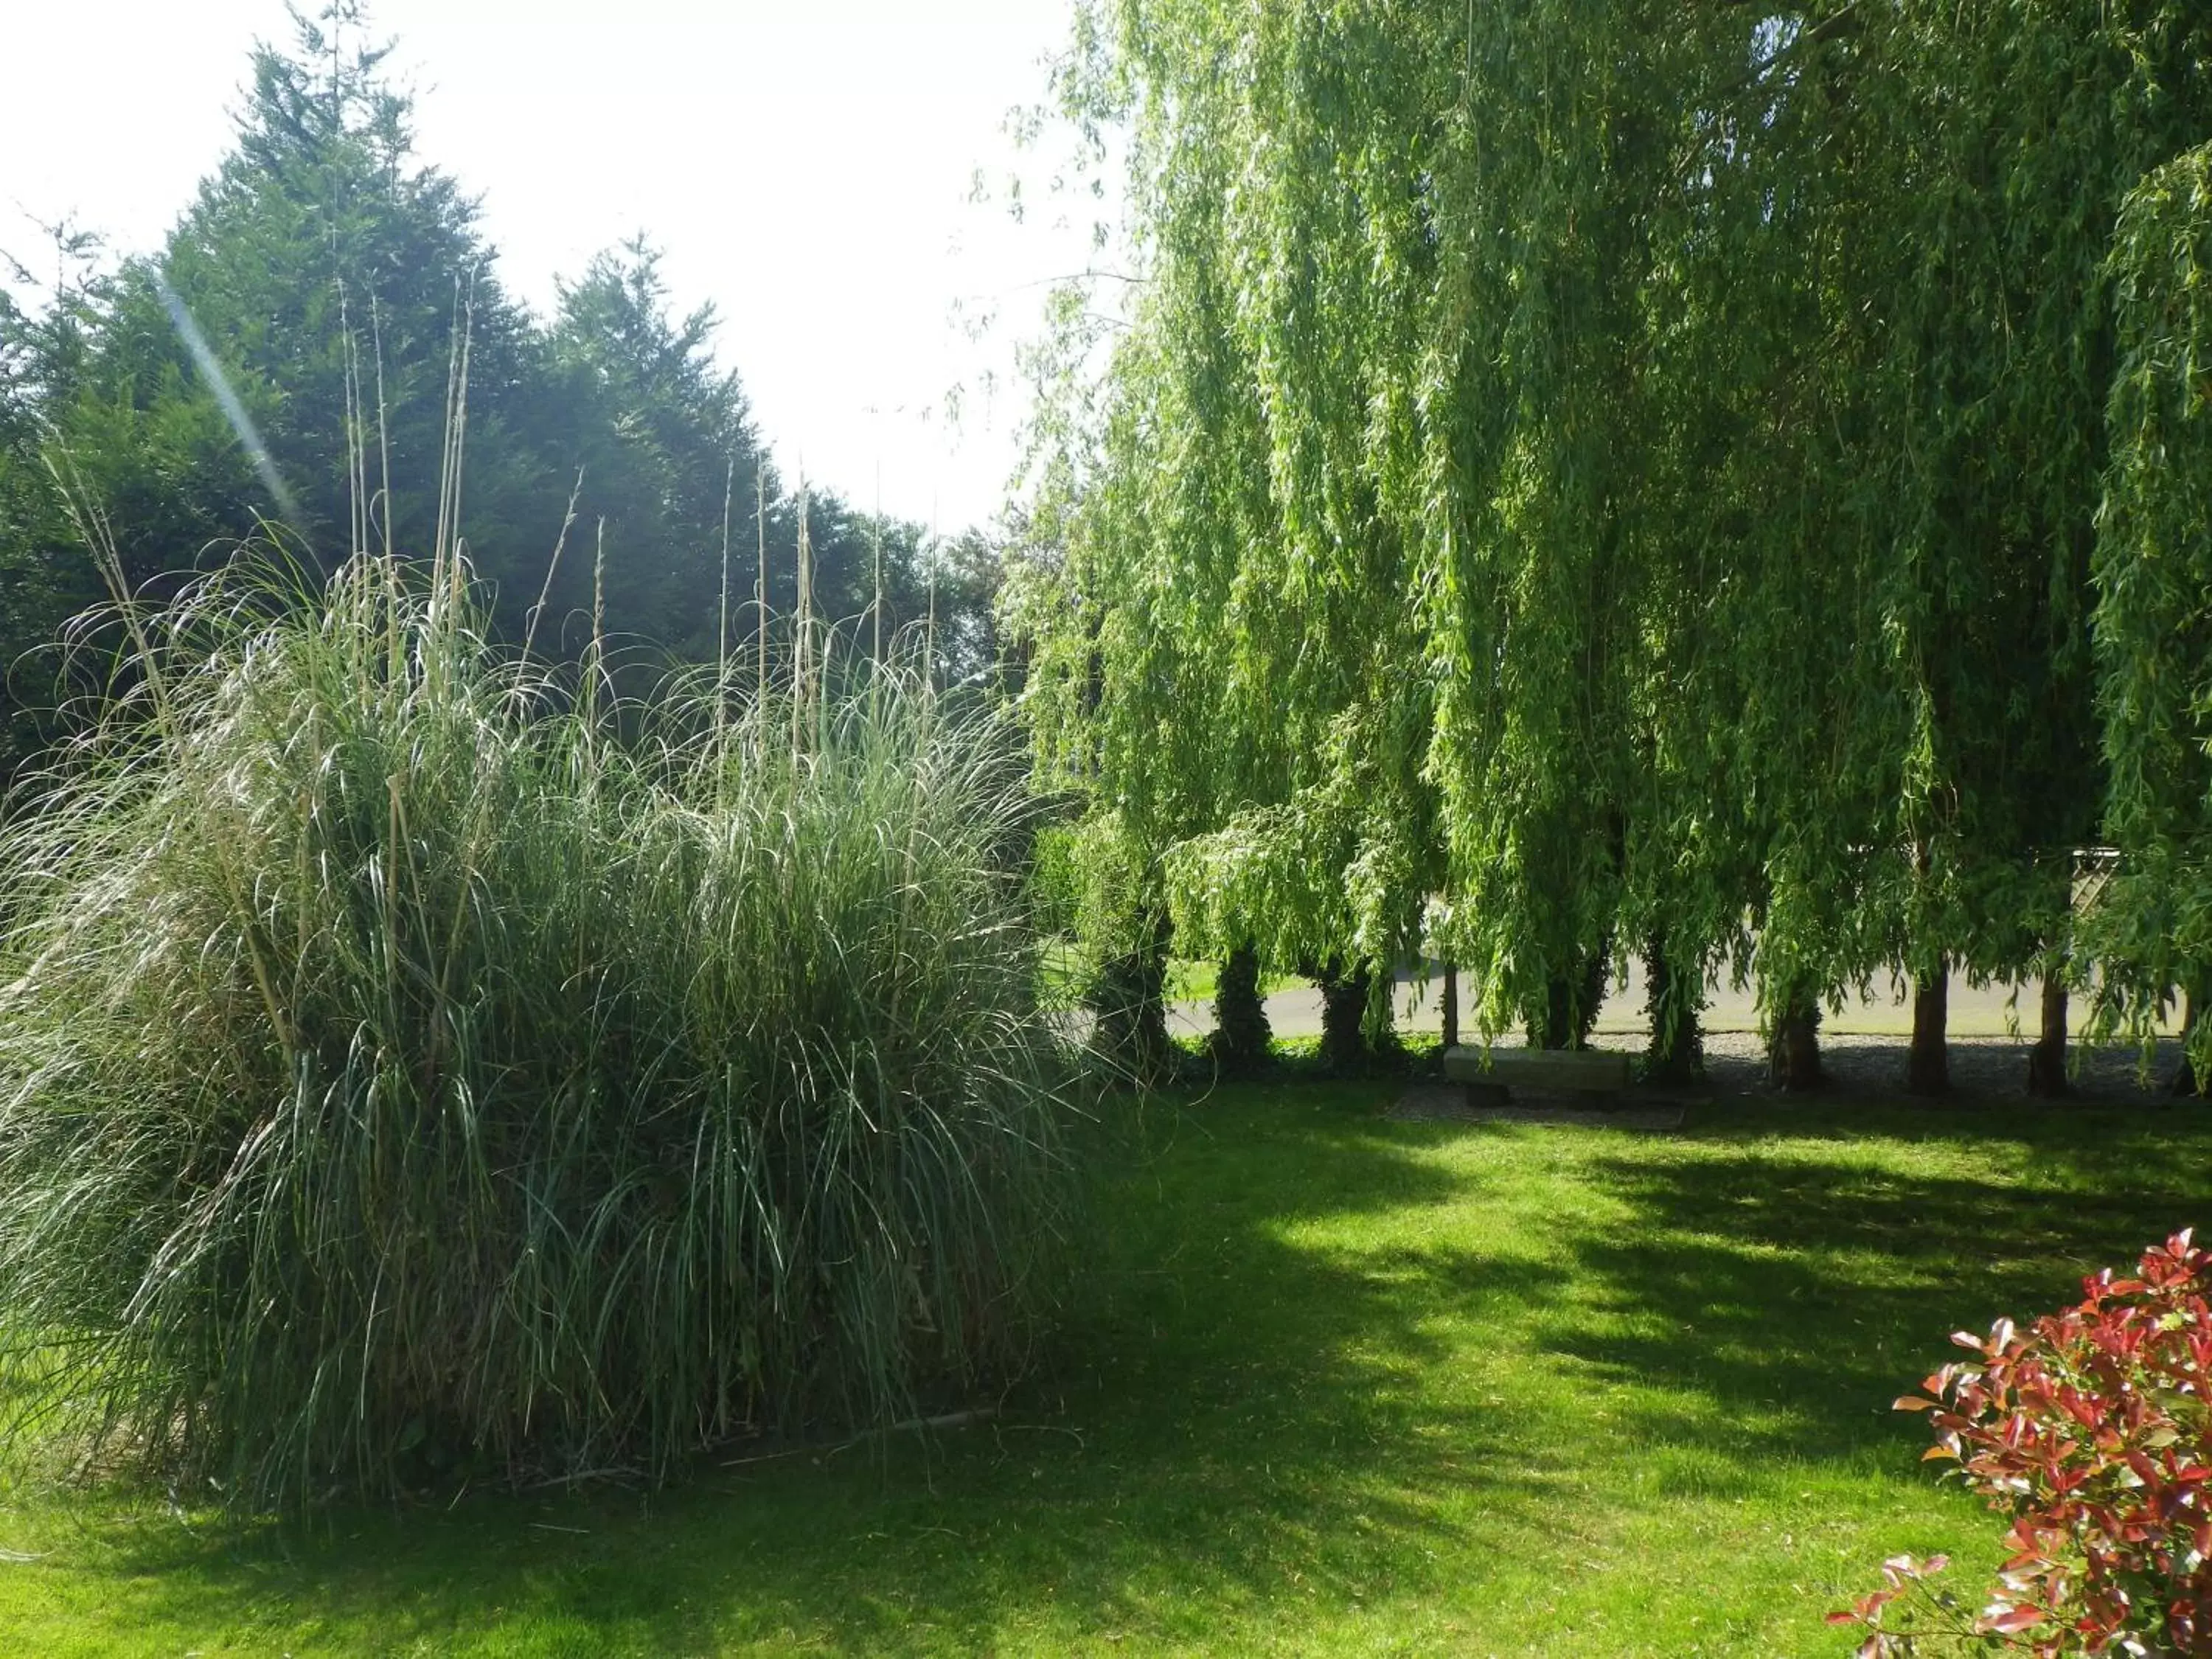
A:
{"points": [[2091, 1430]]}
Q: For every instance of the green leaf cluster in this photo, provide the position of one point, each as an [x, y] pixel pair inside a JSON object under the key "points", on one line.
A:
{"points": [[2154, 580], [1589, 475]]}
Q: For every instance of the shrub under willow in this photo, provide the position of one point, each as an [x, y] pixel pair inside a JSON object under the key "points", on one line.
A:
{"points": [[402, 1078]]}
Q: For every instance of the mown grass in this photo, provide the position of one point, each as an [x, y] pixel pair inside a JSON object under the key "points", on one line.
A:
{"points": [[1067, 969], [1340, 1385]]}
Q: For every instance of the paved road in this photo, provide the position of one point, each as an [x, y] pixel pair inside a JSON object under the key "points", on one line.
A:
{"points": [[1988, 1012]]}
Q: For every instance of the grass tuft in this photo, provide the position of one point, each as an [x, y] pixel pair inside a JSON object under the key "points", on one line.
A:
{"points": [[403, 1080]]}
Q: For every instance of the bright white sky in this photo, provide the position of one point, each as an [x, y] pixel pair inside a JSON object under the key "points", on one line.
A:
{"points": [[806, 164]]}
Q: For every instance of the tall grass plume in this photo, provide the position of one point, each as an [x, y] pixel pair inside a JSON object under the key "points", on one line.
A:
{"points": [[403, 1079]]}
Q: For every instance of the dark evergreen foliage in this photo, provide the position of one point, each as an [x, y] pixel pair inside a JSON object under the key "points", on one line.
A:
{"points": [[351, 303]]}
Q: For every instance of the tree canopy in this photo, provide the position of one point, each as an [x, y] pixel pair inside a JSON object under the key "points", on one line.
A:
{"points": [[345, 297], [1581, 479]]}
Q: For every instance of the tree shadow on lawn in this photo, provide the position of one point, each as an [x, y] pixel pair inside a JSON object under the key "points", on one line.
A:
{"points": [[1791, 1289], [1231, 1423]]}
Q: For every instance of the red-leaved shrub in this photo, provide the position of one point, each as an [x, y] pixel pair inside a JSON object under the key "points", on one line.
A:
{"points": [[2090, 1429]]}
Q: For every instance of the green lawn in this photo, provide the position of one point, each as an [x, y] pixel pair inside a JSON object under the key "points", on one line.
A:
{"points": [[1340, 1385], [1067, 970]]}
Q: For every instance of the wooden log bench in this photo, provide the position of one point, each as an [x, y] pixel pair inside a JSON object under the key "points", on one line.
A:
{"points": [[1491, 1075]]}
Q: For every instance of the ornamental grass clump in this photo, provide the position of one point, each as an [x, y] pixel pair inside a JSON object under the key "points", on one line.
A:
{"points": [[404, 1080]]}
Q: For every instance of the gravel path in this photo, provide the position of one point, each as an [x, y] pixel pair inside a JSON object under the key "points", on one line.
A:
{"points": [[1991, 1070], [1862, 1048], [1982, 1067]]}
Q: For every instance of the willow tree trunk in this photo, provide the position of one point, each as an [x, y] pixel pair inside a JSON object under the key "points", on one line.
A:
{"points": [[2046, 1062], [1452, 1005], [1927, 1062], [1793, 1054], [2185, 1080], [1241, 1039], [1571, 1002], [1675, 993], [1557, 1028], [1130, 1001], [1343, 1017]]}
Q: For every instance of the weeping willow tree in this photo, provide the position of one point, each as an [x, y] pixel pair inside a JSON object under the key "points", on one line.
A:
{"points": [[1217, 688], [2154, 567], [1581, 479], [1348, 594], [1890, 340], [2009, 132]]}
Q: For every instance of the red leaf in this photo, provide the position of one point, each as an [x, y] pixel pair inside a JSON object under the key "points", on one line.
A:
{"points": [[2091, 1431]]}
